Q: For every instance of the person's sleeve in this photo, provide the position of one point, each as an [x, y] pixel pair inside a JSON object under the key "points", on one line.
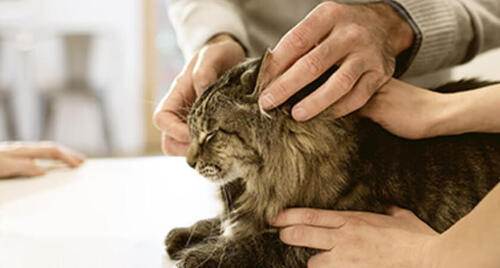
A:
{"points": [[448, 32], [196, 21]]}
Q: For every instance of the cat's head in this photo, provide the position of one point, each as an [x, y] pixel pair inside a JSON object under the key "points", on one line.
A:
{"points": [[232, 137], [226, 124]]}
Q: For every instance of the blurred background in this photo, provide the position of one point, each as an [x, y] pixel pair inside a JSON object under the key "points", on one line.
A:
{"points": [[85, 73], [88, 73]]}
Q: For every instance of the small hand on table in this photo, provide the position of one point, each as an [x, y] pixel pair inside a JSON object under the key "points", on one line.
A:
{"points": [[18, 158]]}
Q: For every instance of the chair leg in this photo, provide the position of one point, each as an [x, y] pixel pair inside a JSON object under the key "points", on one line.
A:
{"points": [[47, 112], [8, 110], [105, 122]]}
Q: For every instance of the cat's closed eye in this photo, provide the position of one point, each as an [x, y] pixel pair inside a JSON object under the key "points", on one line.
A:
{"points": [[208, 137]]}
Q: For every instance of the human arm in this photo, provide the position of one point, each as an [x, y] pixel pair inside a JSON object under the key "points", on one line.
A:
{"points": [[17, 158], [195, 22], [414, 113], [449, 32], [400, 239]]}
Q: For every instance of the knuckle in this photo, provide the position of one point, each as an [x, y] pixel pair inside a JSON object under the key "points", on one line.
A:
{"points": [[346, 79], [313, 64], [310, 217], [298, 39], [353, 34], [200, 74], [178, 81], [282, 90], [327, 9], [157, 119]]}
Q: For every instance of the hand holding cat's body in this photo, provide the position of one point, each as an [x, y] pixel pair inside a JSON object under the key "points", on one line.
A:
{"points": [[400, 239], [415, 113]]}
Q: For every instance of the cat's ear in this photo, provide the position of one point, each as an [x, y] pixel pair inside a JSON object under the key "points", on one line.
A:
{"points": [[263, 78]]}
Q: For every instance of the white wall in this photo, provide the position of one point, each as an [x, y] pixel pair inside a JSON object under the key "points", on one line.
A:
{"points": [[119, 23], [485, 66]]}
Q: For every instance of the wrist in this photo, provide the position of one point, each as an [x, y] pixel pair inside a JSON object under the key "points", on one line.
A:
{"points": [[400, 33], [224, 37], [219, 38], [452, 116], [432, 253]]}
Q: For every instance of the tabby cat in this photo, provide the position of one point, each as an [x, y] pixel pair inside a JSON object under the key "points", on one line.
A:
{"points": [[266, 162]]}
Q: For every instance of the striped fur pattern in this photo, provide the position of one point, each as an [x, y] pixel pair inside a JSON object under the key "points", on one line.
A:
{"points": [[266, 163]]}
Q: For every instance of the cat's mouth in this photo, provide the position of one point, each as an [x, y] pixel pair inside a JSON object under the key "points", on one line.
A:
{"points": [[211, 172], [216, 174]]}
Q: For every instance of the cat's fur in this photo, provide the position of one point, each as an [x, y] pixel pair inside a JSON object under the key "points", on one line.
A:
{"points": [[269, 162]]}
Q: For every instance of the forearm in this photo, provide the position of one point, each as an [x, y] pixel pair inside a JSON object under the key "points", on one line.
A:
{"points": [[470, 111], [195, 22], [472, 241], [449, 32]]}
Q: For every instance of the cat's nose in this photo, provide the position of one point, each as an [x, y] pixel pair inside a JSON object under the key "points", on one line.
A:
{"points": [[191, 162]]}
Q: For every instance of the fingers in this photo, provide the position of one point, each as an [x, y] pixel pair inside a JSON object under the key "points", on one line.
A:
{"points": [[170, 115], [203, 76], [203, 69], [308, 236], [306, 216], [173, 147], [48, 151], [338, 85], [170, 122], [367, 85], [305, 35], [304, 71], [14, 167], [214, 60]]}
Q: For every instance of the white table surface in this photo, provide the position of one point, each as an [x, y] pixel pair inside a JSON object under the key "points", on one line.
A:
{"points": [[107, 213]]}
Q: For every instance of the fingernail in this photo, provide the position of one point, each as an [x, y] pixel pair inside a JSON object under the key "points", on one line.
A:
{"points": [[299, 114], [267, 101]]}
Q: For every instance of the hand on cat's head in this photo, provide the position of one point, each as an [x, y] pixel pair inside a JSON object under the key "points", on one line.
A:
{"points": [[219, 54]]}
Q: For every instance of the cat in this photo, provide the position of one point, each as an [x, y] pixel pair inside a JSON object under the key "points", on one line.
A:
{"points": [[266, 162]]}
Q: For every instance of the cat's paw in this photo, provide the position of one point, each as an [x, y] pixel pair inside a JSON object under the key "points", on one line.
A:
{"points": [[177, 240], [193, 262]]}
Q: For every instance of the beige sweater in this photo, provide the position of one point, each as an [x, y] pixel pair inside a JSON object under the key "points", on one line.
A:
{"points": [[448, 32]]}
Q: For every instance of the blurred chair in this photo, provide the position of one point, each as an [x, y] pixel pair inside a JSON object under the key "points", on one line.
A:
{"points": [[6, 99], [77, 50]]}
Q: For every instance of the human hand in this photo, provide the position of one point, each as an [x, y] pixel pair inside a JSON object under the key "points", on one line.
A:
{"points": [[407, 111], [218, 55], [358, 239], [17, 158], [363, 40]]}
